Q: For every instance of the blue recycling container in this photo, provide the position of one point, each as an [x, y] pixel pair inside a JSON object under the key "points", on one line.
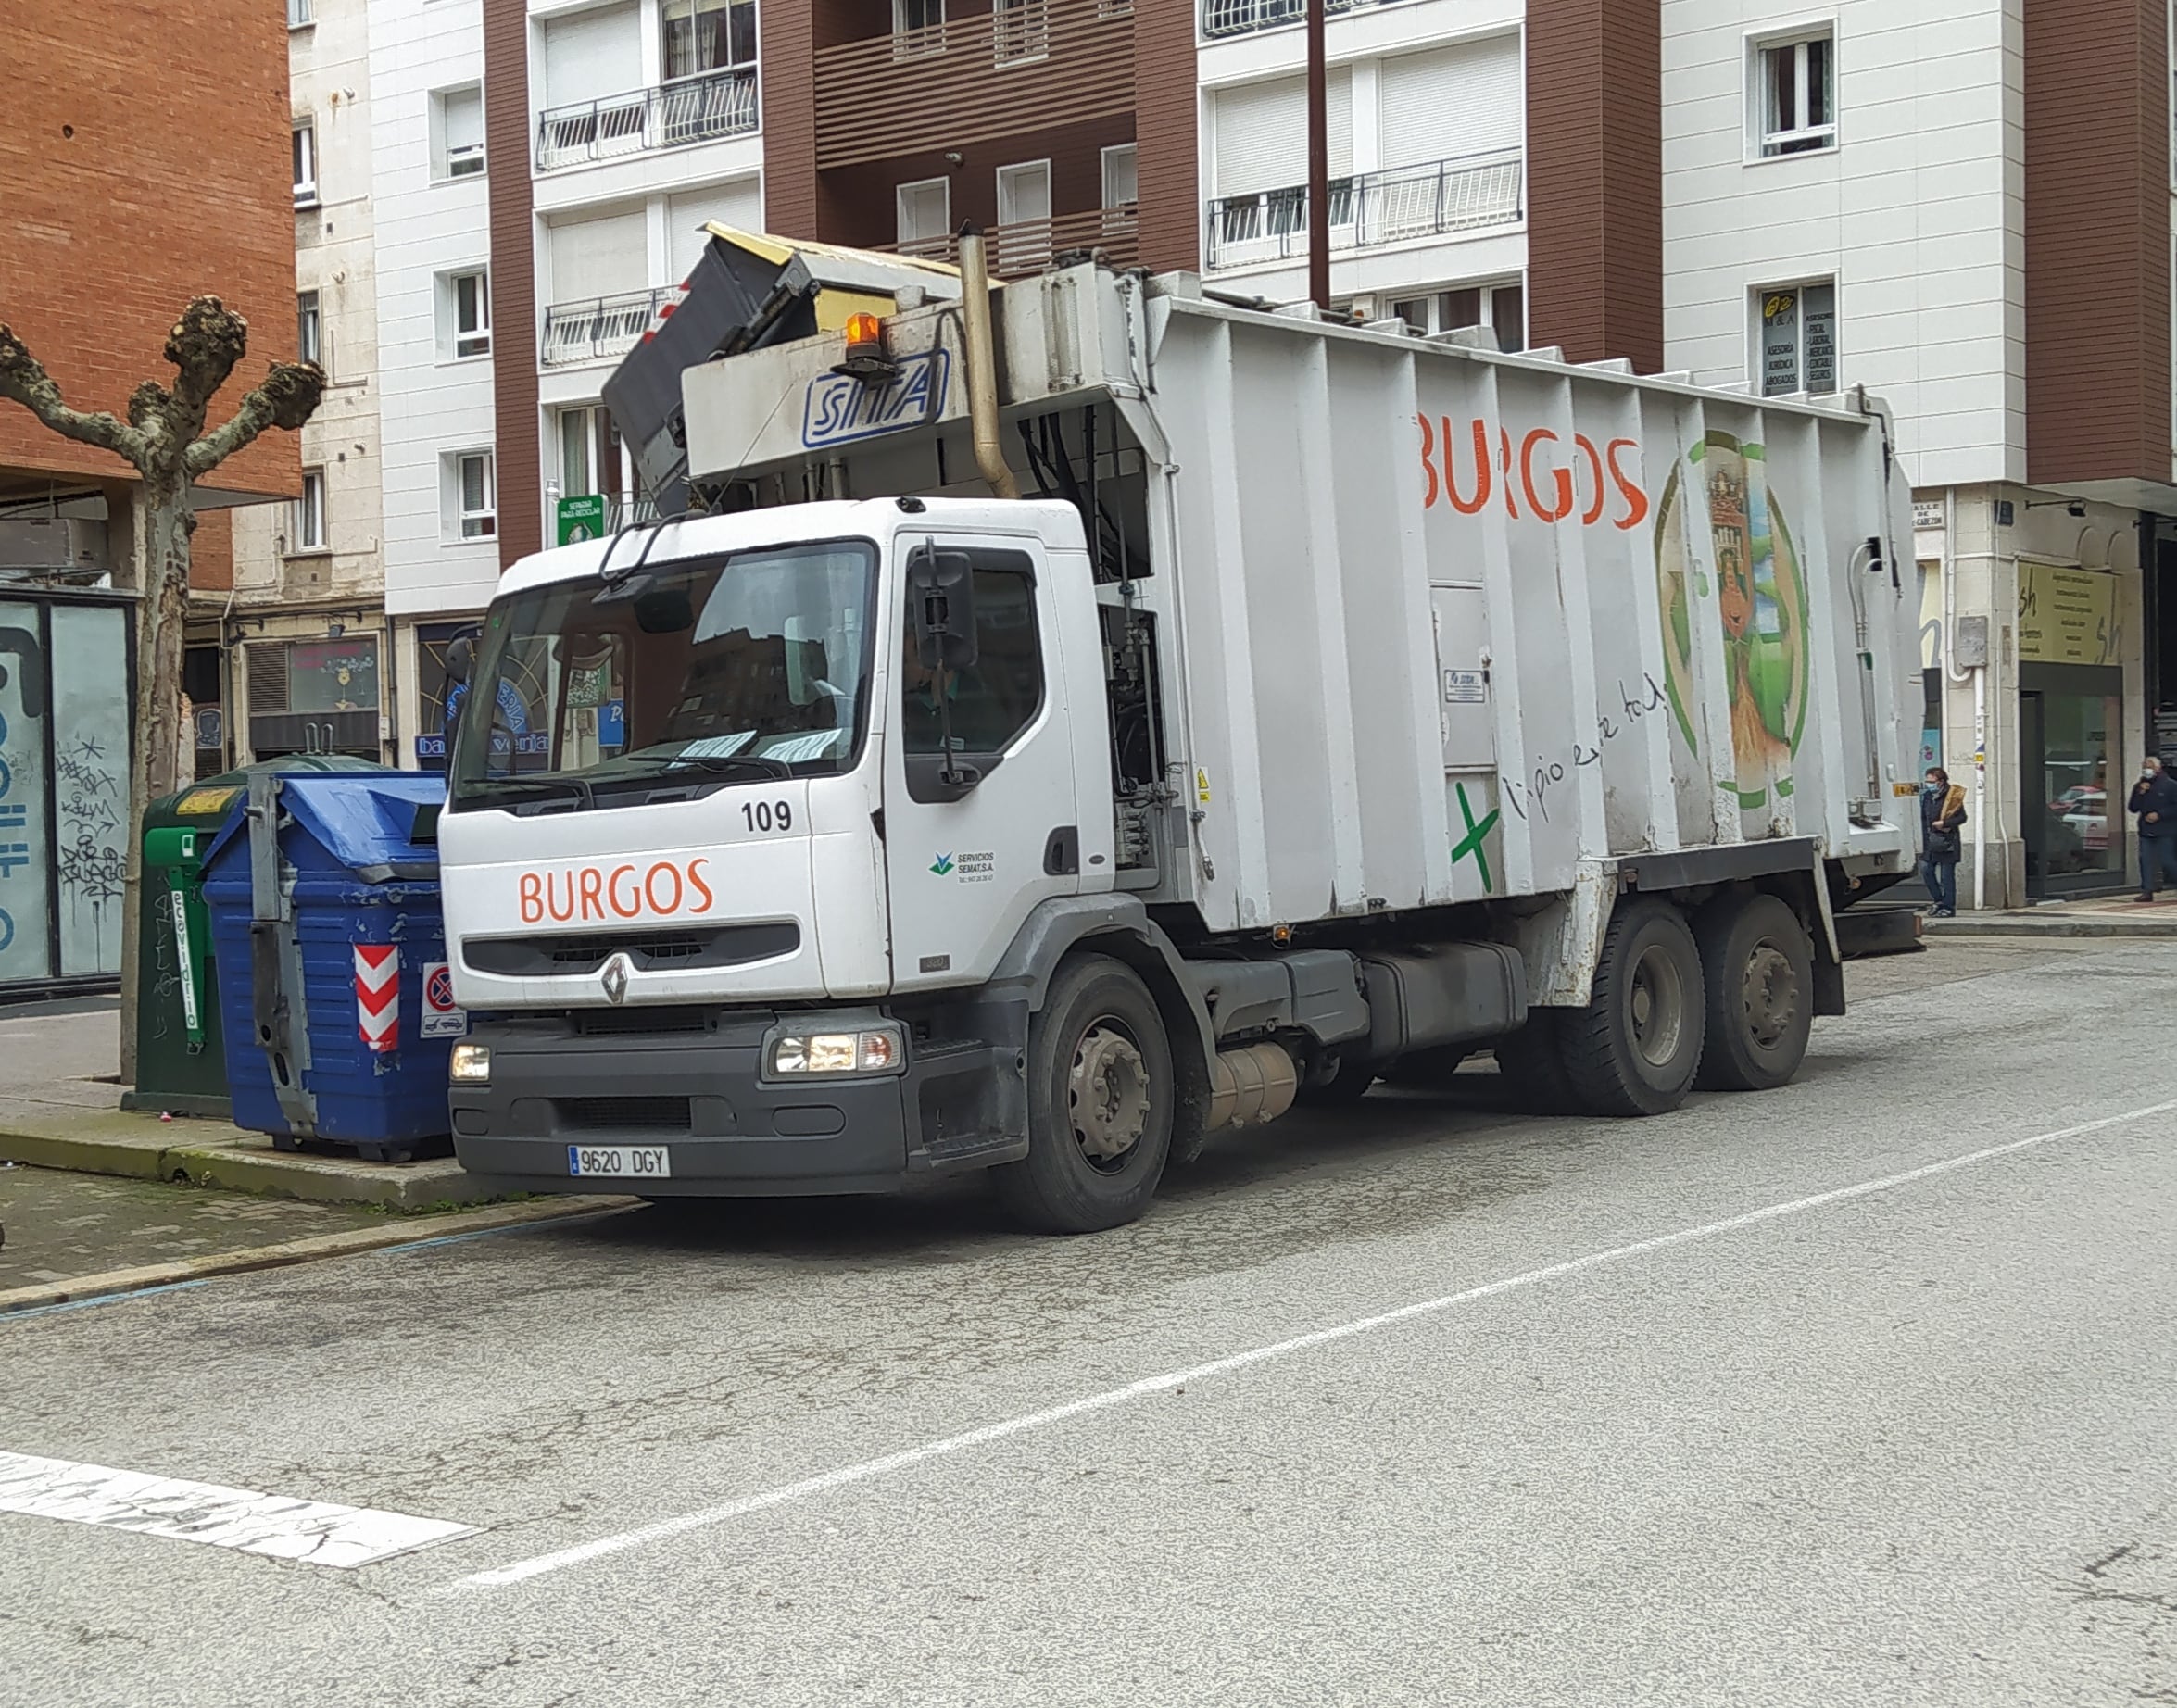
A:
{"points": [[334, 992]]}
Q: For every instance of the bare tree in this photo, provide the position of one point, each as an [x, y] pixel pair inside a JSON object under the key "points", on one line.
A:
{"points": [[163, 440]]}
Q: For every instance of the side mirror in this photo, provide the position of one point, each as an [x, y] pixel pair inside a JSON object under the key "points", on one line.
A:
{"points": [[941, 607], [460, 658]]}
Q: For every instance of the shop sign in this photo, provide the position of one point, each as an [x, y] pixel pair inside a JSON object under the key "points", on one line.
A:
{"points": [[2067, 616]]}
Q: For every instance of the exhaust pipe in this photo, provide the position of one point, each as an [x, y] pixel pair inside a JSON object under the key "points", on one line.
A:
{"points": [[981, 370]]}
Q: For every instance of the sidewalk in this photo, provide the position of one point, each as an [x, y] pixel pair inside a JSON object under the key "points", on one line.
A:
{"points": [[60, 1107], [2104, 916]]}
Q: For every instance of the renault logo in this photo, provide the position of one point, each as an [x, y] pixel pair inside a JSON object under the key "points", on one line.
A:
{"points": [[614, 978]]}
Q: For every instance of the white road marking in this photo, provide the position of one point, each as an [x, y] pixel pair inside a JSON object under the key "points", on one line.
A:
{"points": [[313, 1531], [581, 1554]]}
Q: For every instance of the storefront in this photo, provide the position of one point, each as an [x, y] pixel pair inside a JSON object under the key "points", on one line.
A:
{"points": [[66, 690], [2070, 729]]}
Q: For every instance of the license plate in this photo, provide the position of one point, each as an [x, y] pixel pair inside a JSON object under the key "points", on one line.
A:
{"points": [[620, 1161]]}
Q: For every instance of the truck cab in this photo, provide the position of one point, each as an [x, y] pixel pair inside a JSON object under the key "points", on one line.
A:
{"points": [[807, 775]]}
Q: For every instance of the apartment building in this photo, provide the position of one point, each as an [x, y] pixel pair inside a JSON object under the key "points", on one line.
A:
{"points": [[1966, 207], [292, 656], [109, 224]]}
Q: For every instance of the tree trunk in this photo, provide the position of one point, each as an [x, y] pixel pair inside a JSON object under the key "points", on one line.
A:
{"points": [[164, 520]]}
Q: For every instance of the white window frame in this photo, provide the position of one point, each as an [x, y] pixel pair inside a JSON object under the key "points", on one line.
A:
{"points": [[310, 327], [912, 41], [449, 165], [899, 209], [470, 342], [1105, 157], [305, 522], [299, 15], [1020, 31], [1757, 337], [305, 162], [1431, 302], [466, 526], [1763, 143]]}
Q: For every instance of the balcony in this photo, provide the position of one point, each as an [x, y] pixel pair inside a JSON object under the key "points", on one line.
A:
{"points": [[1030, 64], [694, 110], [1370, 210], [1221, 18], [1029, 246], [603, 328]]}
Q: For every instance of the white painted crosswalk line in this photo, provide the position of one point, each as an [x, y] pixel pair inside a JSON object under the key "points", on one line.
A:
{"points": [[317, 1532]]}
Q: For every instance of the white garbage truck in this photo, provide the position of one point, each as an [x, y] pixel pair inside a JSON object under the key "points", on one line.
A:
{"points": [[1337, 703]]}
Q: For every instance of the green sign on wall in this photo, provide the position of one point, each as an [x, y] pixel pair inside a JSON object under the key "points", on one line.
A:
{"points": [[582, 519]]}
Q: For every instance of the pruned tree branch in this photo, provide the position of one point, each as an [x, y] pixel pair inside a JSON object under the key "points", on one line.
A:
{"points": [[204, 345], [24, 379], [285, 397]]}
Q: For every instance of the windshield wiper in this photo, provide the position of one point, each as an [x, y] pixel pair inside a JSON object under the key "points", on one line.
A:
{"points": [[573, 786]]}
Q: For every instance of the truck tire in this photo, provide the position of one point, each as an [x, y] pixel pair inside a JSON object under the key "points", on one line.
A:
{"points": [[1101, 1098], [1757, 964], [1635, 1047]]}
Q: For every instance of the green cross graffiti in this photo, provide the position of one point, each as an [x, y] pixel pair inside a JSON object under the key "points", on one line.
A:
{"points": [[1475, 833]]}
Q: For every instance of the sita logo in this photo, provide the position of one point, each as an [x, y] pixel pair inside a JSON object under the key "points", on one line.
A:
{"points": [[1553, 485], [1760, 603], [841, 409]]}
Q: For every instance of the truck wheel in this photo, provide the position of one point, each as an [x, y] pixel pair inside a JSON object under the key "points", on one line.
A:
{"points": [[1100, 1103], [1757, 964], [1346, 1082], [1633, 1050]]}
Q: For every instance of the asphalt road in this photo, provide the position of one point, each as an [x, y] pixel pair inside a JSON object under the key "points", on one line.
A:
{"points": [[1860, 1392]]}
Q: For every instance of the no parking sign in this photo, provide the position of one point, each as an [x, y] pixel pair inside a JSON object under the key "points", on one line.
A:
{"points": [[441, 1017]]}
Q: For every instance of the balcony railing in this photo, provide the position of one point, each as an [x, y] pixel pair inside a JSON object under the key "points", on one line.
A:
{"points": [[1031, 65], [1370, 210], [601, 328], [1223, 17], [1029, 245], [695, 109]]}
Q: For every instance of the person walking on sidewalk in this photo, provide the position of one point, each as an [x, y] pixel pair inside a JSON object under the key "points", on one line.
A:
{"points": [[1942, 810], [2154, 799]]}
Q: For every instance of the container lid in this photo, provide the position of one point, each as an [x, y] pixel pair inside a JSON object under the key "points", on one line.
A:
{"points": [[367, 823], [208, 799]]}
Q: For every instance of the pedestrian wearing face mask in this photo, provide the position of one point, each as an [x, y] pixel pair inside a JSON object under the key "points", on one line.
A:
{"points": [[1942, 810], [2154, 801]]}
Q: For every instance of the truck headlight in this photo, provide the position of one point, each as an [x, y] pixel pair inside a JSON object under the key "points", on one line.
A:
{"points": [[800, 1055], [470, 1064]]}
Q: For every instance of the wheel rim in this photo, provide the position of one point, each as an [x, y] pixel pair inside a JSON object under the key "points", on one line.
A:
{"points": [[1772, 995], [1656, 1007], [1108, 1094]]}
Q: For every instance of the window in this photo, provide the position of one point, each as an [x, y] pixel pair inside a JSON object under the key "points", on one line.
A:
{"points": [[456, 117], [1024, 217], [466, 309], [468, 491], [1022, 30], [925, 211], [299, 15], [708, 35], [1501, 308], [1121, 182], [1797, 329], [306, 527], [994, 699], [592, 457], [918, 27], [310, 343], [1796, 103], [305, 163]]}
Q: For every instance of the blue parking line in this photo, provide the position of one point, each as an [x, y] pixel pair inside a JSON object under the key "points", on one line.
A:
{"points": [[100, 1299]]}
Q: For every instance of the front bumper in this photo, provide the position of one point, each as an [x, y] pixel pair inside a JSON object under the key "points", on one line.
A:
{"points": [[689, 1080]]}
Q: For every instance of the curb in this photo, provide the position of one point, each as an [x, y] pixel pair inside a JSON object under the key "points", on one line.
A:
{"points": [[80, 1289], [310, 1177], [2075, 925]]}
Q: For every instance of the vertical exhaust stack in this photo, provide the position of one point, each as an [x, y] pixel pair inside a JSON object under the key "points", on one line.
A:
{"points": [[982, 367]]}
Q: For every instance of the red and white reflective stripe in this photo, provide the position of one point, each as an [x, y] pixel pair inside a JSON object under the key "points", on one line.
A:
{"points": [[378, 994]]}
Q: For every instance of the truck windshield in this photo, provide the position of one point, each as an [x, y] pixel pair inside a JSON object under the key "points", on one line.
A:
{"points": [[589, 693]]}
